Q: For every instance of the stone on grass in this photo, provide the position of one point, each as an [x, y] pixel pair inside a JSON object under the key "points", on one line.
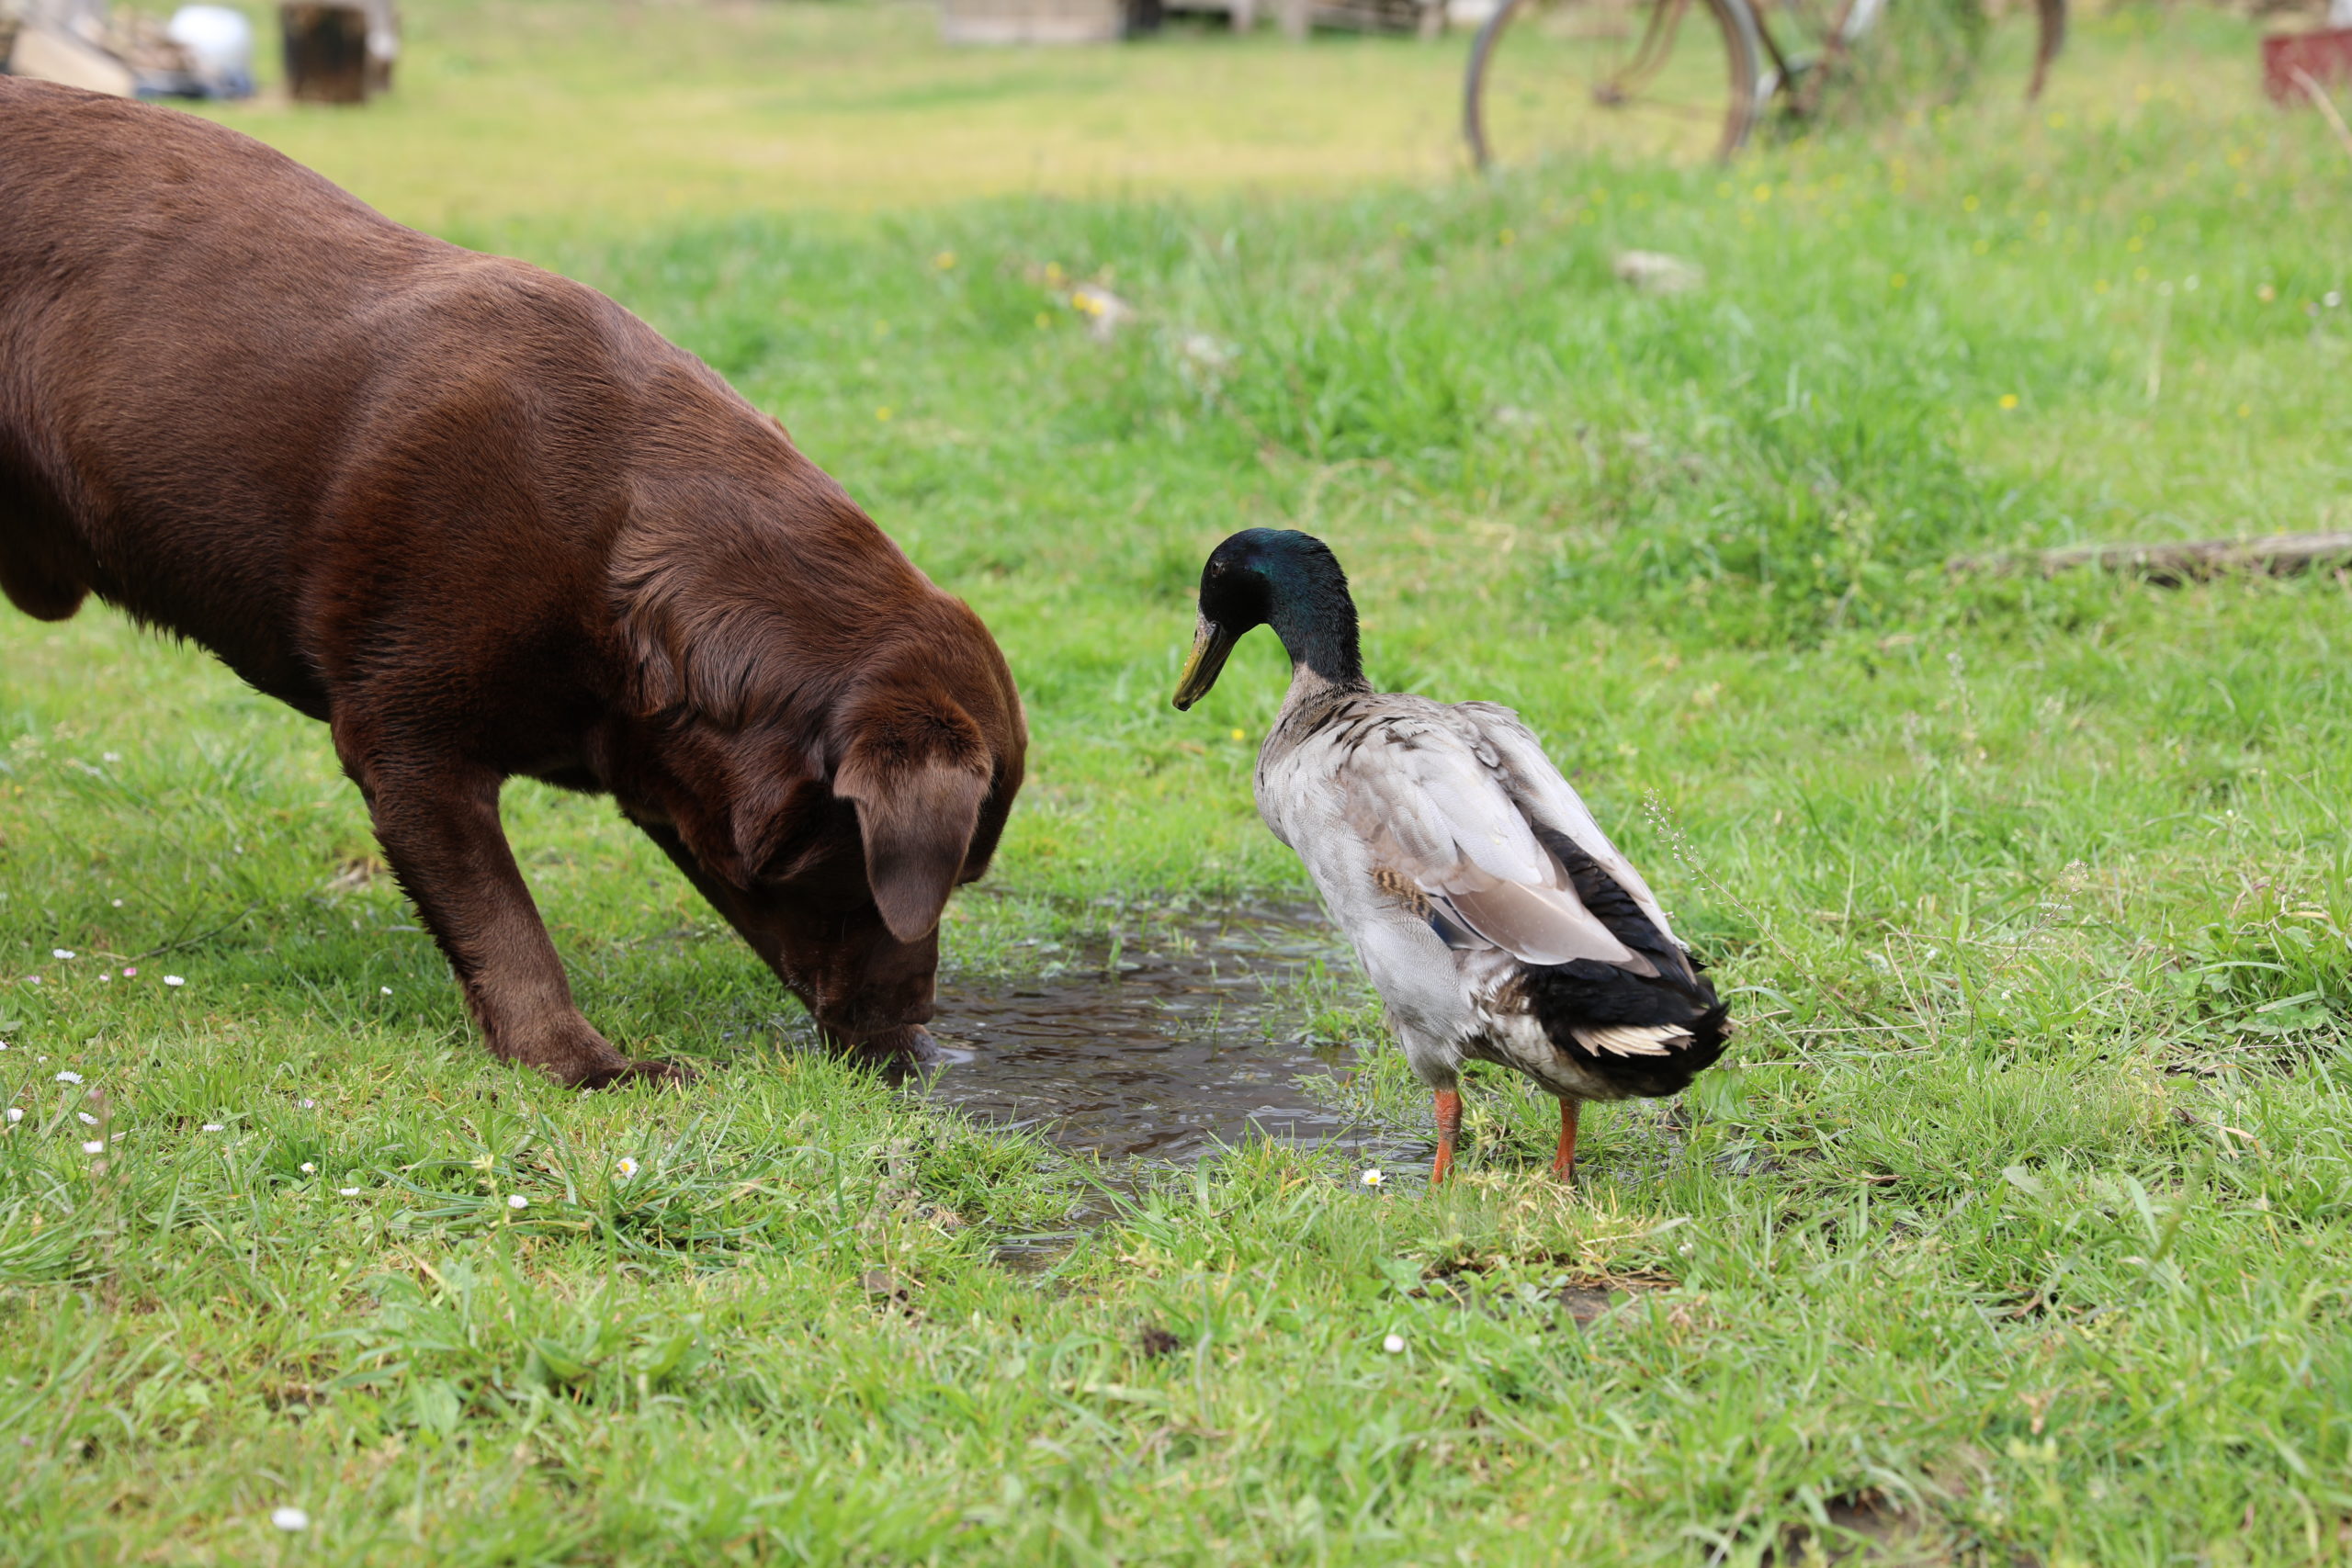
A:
{"points": [[1655, 271]]}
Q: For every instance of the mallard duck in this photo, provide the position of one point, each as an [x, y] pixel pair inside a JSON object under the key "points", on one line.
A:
{"points": [[1492, 914]]}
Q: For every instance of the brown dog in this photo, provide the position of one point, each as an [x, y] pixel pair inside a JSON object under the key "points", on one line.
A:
{"points": [[484, 522]]}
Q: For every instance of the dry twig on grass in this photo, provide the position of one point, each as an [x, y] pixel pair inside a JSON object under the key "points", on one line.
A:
{"points": [[2182, 561], [2326, 106]]}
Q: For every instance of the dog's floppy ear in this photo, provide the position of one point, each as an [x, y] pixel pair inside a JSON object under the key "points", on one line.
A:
{"points": [[917, 819], [916, 767]]}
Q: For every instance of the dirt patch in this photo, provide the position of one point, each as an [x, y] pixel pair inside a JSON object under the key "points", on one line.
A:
{"points": [[1868, 1528], [889, 1290], [1588, 1304], [1584, 1297], [1157, 1342]]}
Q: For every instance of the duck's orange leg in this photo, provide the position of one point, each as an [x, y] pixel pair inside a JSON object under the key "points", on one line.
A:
{"points": [[1449, 1128], [1564, 1162]]}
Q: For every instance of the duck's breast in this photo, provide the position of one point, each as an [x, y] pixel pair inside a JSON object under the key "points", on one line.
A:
{"points": [[1417, 975]]}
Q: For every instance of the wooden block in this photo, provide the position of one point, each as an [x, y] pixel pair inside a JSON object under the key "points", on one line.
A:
{"points": [[51, 54]]}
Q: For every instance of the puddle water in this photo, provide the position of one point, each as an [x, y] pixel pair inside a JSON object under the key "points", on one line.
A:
{"points": [[1160, 1051]]}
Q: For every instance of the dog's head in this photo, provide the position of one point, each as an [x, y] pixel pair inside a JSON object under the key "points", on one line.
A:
{"points": [[931, 763], [827, 759]]}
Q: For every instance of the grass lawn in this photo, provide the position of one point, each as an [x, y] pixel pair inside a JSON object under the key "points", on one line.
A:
{"points": [[2020, 1228]]}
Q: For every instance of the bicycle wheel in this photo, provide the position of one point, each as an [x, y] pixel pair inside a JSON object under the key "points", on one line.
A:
{"points": [[1674, 79]]}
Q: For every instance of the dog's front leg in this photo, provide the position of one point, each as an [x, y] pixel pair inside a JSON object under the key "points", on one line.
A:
{"points": [[438, 824]]}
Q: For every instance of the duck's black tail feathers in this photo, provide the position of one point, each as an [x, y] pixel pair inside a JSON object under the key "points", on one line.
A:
{"points": [[1647, 1035]]}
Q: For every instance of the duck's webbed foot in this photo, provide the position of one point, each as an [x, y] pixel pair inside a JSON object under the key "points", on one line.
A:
{"points": [[1449, 1129]]}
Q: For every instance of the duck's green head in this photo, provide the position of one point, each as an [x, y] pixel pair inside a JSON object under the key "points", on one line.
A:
{"points": [[1279, 578]]}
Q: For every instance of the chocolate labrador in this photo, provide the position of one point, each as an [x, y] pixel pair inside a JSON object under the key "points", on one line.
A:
{"points": [[484, 522]]}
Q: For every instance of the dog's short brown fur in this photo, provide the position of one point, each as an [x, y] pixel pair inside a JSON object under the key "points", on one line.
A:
{"points": [[483, 522]]}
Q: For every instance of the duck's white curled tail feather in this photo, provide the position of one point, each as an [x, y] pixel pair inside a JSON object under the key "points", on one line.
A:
{"points": [[1634, 1039]]}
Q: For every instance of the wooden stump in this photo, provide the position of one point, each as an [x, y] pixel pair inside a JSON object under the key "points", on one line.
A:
{"points": [[326, 52]]}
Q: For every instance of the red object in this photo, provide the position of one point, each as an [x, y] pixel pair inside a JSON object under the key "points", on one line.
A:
{"points": [[2325, 57]]}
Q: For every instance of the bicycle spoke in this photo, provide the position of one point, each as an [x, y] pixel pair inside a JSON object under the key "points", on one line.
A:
{"points": [[1573, 75], [1711, 114]]}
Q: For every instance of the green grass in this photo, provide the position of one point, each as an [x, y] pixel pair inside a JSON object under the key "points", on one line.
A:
{"points": [[652, 112], [2025, 1208]]}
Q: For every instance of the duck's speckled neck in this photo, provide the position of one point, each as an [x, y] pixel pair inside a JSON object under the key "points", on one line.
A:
{"points": [[1311, 690], [1311, 705]]}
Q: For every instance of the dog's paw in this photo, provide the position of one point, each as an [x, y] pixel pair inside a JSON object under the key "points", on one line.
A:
{"points": [[628, 1073]]}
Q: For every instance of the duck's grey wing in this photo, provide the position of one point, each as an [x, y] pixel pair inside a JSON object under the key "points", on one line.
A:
{"points": [[1430, 802], [1535, 786]]}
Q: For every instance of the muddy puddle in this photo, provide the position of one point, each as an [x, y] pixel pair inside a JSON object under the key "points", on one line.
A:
{"points": [[1189, 1038]]}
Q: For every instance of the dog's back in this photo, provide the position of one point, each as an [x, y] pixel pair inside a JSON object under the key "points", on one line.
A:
{"points": [[220, 375], [230, 393], [141, 253]]}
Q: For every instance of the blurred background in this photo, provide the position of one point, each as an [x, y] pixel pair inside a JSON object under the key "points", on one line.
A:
{"points": [[476, 108]]}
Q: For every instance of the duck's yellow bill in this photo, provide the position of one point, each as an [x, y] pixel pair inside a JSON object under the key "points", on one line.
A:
{"points": [[1210, 644]]}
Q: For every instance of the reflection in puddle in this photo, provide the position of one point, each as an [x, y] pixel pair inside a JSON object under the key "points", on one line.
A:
{"points": [[1161, 1053]]}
